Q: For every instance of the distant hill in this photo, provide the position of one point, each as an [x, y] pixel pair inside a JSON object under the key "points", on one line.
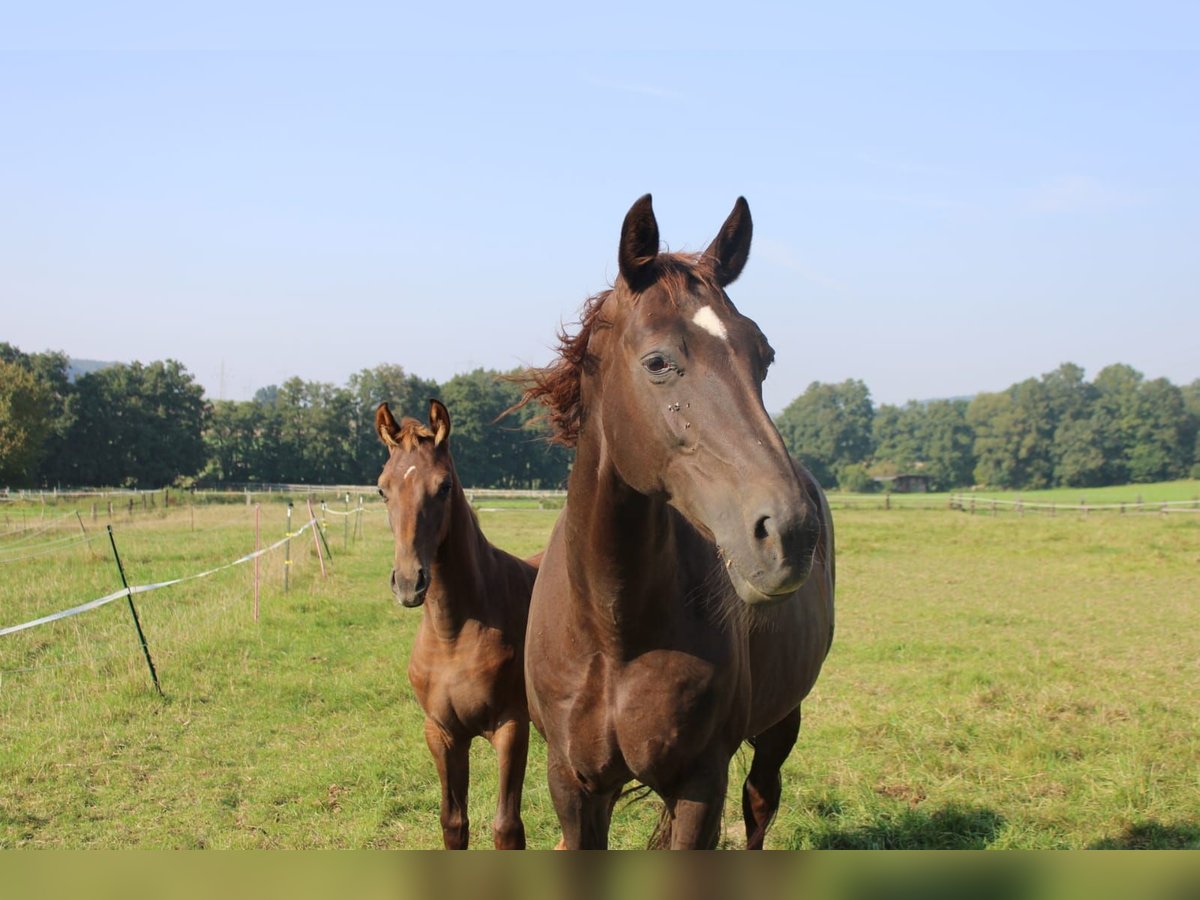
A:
{"points": [[77, 367]]}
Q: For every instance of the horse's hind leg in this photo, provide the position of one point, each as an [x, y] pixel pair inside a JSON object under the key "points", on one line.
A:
{"points": [[452, 757], [511, 741], [763, 786]]}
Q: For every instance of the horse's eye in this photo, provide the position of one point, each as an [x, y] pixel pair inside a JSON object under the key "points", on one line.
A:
{"points": [[656, 364], [444, 488], [381, 493]]}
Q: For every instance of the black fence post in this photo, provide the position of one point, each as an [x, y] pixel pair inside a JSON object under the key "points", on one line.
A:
{"points": [[132, 609]]}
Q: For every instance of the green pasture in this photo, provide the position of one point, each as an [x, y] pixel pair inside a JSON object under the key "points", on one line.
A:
{"points": [[995, 682], [1181, 491]]}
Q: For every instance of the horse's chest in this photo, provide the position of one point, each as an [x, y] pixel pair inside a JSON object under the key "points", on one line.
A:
{"points": [[670, 709], [466, 685], [650, 717]]}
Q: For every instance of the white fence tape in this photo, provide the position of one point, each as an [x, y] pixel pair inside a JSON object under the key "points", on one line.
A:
{"points": [[49, 548], [143, 588]]}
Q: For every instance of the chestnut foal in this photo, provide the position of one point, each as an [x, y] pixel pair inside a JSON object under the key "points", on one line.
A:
{"points": [[467, 664]]}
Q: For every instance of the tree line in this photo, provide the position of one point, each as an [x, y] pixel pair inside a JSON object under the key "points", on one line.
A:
{"points": [[150, 425], [1059, 430]]}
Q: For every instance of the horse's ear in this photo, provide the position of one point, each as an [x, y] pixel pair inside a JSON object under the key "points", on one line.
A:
{"points": [[731, 247], [386, 426], [639, 244], [439, 422]]}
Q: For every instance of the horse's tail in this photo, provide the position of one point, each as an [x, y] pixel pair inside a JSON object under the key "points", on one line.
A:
{"points": [[660, 837]]}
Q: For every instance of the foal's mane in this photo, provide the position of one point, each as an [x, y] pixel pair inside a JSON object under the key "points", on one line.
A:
{"points": [[558, 386]]}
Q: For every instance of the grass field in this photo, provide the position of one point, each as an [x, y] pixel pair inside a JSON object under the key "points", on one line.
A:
{"points": [[1183, 491], [996, 681]]}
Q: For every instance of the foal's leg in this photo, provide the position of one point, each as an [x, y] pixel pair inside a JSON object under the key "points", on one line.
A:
{"points": [[452, 757], [511, 741], [583, 816], [763, 786], [695, 809]]}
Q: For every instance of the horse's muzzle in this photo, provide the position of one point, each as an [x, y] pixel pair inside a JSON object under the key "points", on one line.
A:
{"points": [[410, 592]]}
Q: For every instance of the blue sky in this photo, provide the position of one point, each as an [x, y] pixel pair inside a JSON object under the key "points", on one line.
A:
{"points": [[947, 197]]}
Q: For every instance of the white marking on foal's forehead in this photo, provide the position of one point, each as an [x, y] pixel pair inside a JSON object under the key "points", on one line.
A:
{"points": [[411, 469], [707, 319]]}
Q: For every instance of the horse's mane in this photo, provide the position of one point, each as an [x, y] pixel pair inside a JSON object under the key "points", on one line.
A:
{"points": [[558, 386]]}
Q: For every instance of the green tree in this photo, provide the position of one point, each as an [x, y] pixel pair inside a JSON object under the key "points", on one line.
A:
{"points": [[234, 442], [1013, 436], [1162, 437], [50, 370], [493, 450], [137, 425], [828, 427], [25, 423], [947, 444], [1191, 402]]}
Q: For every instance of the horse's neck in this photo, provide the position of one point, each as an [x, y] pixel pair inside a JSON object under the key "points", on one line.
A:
{"points": [[457, 589], [625, 572]]}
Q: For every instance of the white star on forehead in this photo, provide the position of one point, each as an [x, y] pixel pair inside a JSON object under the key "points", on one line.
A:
{"points": [[411, 469], [707, 319]]}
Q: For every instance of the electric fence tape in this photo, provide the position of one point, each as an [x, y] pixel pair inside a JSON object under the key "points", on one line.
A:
{"points": [[143, 588]]}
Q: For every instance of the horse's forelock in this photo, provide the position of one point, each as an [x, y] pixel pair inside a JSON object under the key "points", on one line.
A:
{"points": [[558, 386]]}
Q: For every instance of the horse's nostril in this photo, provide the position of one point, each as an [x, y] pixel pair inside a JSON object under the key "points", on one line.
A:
{"points": [[393, 578], [422, 581], [760, 528]]}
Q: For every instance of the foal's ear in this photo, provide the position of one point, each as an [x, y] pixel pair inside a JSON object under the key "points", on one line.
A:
{"points": [[439, 422], [731, 247], [639, 244], [386, 426]]}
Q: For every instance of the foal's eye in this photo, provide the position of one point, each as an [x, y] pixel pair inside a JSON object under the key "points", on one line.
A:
{"points": [[444, 488]]}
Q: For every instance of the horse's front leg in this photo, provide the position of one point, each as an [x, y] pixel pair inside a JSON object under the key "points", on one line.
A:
{"points": [[511, 741], [451, 755], [583, 816], [695, 809]]}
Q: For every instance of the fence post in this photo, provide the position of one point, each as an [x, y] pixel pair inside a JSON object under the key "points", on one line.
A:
{"points": [[93, 512], [346, 525], [887, 500], [132, 609], [287, 548], [318, 538], [257, 547], [358, 519]]}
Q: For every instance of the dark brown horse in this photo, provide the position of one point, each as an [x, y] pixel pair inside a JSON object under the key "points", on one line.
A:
{"points": [[466, 665], [685, 601]]}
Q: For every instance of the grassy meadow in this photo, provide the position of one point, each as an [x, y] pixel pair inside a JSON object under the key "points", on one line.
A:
{"points": [[997, 681]]}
